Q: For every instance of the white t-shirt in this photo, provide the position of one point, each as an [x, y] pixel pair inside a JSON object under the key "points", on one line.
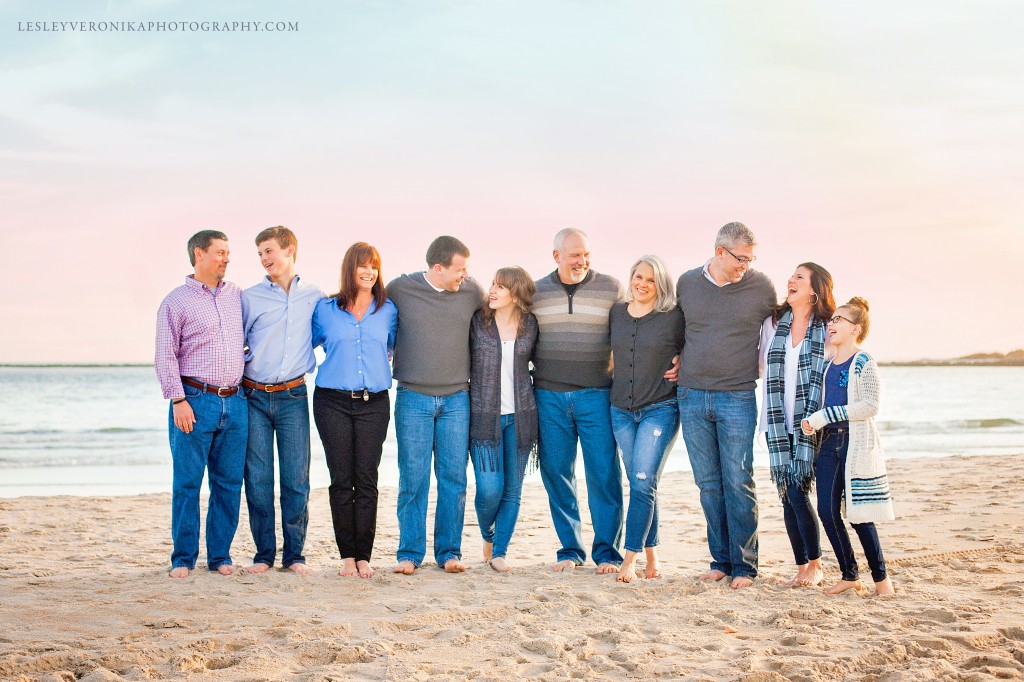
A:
{"points": [[508, 387]]}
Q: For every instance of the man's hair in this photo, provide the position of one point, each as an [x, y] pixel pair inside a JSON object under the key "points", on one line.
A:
{"points": [[665, 299], [284, 237], [201, 240], [734, 233], [443, 249], [565, 234]]}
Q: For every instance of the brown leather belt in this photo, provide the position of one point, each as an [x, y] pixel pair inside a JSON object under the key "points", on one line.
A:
{"points": [[273, 388], [222, 391]]}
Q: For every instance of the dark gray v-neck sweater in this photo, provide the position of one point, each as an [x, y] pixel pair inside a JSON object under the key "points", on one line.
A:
{"points": [[722, 329]]}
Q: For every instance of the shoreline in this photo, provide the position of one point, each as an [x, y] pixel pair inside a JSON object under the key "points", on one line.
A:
{"points": [[87, 596]]}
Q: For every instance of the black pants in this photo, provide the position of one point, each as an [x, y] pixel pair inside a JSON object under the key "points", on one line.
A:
{"points": [[352, 431]]}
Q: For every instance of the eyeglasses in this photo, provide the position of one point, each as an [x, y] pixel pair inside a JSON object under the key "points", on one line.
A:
{"points": [[742, 261], [835, 320]]}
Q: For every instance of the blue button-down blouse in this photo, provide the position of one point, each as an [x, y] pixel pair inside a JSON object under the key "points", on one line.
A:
{"points": [[356, 350]]}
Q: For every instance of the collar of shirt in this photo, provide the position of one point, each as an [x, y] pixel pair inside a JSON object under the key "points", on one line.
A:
{"points": [[270, 284], [711, 279], [427, 280], [194, 283]]}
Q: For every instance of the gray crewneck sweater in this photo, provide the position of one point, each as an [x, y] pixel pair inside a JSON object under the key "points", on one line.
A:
{"points": [[432, 343], [722, 329]]}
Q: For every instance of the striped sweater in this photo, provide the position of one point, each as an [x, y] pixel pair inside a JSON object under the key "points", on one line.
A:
{"points": [[574, 348], [866, 497]]}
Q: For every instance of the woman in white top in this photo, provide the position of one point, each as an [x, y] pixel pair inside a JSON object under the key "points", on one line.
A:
{"points": [[794, 352]]}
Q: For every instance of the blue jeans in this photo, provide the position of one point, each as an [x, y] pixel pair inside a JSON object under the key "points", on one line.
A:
{"points": [[287, 414], [801, 522], [499, 487], [566, 418], [431, 426], [718, 429], [831, 475], [217, 443], [644, 438]]}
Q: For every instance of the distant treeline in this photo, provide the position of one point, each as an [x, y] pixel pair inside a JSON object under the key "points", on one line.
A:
{"points": [[1014, 358]]}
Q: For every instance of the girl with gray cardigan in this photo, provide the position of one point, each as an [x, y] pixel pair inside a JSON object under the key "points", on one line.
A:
{"points": [[503, 412]]}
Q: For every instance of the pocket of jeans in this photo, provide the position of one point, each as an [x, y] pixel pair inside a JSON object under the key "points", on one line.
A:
{"points": [[298, 391], [681, 393], [192, 391], [247, 392], [742, 395]]}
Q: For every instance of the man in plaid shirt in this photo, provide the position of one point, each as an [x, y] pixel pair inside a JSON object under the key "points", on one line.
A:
{"points": [[199, 362]]}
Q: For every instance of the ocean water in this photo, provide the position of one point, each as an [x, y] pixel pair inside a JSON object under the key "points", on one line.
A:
{"points": [[103, 430]]}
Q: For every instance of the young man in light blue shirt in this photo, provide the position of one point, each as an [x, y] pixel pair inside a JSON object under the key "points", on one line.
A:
{"points": [[277, 316]]}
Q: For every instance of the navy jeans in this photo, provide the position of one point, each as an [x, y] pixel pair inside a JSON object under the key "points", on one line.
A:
{"points": [[217, 444], [801, 522], [718, 429], [831, 474], [499, 487], [286, 414], [644, 438], [582, 417], [431, 428]]}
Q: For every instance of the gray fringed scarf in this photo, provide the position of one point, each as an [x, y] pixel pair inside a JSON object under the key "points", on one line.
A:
{"points": [[485, 392], [794, 464]]}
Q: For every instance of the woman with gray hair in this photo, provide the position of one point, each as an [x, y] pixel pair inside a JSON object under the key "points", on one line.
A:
{"points": [[646, 335]]}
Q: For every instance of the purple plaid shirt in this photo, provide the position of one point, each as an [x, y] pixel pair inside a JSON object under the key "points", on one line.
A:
{"points": [[199, 335]]}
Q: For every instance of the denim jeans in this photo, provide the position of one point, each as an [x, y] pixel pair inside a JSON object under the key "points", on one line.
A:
{"points": [[216, 443], [285, 413], [353, 432], [499, 487], [644, 438], [831, 475], [801, 522], [718, 429], [583, 416], [431, 427]]}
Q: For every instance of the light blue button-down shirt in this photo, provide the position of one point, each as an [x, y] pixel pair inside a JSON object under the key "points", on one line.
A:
{"points": [[356, 350], [279, 330]]}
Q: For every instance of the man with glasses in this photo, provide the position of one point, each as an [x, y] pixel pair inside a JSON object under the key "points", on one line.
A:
{"points": [[723, 304]]}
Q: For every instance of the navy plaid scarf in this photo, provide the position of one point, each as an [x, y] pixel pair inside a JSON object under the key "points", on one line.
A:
{"points": [[794, 464]]}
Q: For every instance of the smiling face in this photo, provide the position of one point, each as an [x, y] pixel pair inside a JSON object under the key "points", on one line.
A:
{"points": [[573, 259], [841, 331], [499, 297], [366, 276], [799, 290], [277, 262], [450, 278], [734, 261], [212, 263], [643, 285]]}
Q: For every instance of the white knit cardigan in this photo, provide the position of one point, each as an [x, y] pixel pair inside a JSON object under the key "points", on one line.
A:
{"points": [[866, 497]]}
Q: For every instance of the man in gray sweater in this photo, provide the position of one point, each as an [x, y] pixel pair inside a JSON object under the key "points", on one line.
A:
{"points": [[723, 304], [432, 402]]}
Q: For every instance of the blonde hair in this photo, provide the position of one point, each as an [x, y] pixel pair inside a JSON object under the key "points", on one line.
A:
{"points": [[666, 297]]}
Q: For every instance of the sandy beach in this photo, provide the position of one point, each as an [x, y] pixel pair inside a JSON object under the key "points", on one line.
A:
{"points": [[84, 595]]}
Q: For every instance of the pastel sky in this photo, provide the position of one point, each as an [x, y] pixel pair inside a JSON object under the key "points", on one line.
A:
{"points": [[882, 140]]}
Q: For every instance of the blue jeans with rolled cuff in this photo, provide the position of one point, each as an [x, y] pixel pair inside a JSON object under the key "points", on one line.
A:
{"points": [[499, 487]]}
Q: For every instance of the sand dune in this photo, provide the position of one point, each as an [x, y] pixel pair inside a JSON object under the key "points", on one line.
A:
{"points": [[84, 595]]}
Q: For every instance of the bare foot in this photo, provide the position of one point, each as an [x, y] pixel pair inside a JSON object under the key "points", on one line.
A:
{"points": [[364, 569], [561, 566], [454, 566], [488, 551], [225, 569], [605, 569], [404, 567], [500, 565], [627, 572], [844, 585], [712, 576], [257, 568], [741, 582], [801, 574], [180, 572], [348, 568], [814, 575], [653, 564], [300, 569], [884, 588]]}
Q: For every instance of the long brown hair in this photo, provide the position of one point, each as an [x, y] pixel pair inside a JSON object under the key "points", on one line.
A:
{"points": [[358, 254], [824, 302], [521, 286]]}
